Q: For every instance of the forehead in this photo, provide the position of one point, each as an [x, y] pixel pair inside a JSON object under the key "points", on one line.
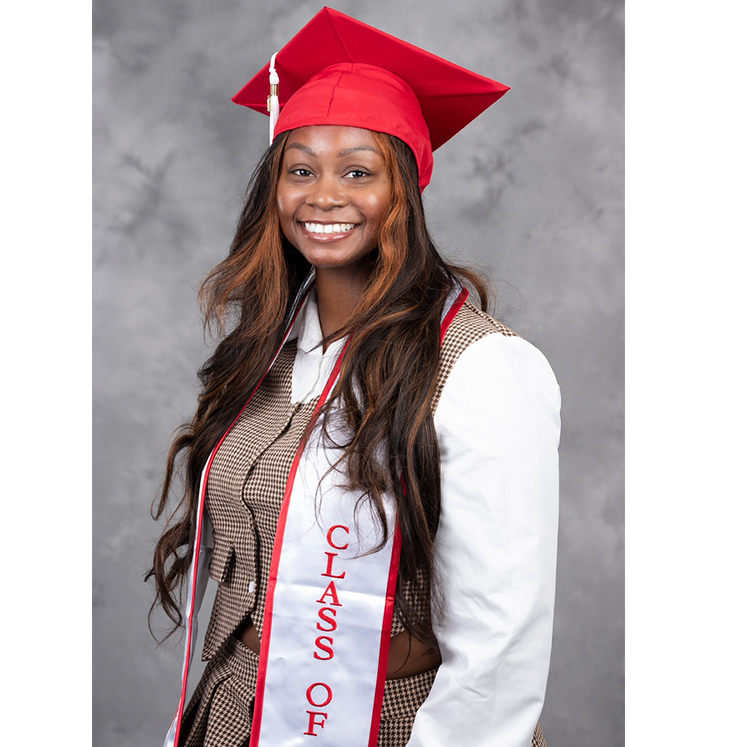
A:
{"points": [[332, 139]]}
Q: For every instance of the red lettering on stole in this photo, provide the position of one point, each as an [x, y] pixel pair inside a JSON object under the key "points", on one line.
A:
{"points": [[313, 722], [329, 536], [331, 591], [330, 559], [327, 698], [310, 691], [325, 643], [323, 647], [324, 613]]}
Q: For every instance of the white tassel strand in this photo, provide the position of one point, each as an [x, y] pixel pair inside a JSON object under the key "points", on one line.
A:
{"points": [[273, 100]]}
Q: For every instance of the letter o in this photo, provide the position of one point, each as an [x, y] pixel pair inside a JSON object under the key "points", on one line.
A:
{"points": [[311, 689]]}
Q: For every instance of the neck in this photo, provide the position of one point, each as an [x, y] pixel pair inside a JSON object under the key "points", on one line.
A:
{"points": [[338, 293]]}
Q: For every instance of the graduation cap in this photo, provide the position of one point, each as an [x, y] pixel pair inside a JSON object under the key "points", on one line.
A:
{"points": [[339, 71]]}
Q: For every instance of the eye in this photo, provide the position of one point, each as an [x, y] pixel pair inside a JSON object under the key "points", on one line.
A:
{"points": [[300, 172], [357, 173]]}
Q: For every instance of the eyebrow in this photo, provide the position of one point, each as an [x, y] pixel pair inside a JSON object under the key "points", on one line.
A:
{"points": [[348, 151], [341, 154]]}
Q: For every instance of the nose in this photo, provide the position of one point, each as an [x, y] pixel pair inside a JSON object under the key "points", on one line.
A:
{"points": [[326, 193]]}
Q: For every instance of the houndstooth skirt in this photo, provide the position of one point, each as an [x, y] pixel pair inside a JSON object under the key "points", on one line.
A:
{"points": [[219, 713]]}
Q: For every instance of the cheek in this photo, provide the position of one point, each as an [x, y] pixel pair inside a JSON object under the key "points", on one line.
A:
{"points": [[286, 220], [384, 199], [287, 200], [284, 206], [379, 209]]}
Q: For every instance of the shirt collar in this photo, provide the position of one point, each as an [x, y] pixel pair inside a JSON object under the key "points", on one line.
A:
{"points": [[309, 329]]}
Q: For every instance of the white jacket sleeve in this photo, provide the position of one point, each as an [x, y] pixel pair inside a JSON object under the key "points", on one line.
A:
{"points": [[498, 423]]}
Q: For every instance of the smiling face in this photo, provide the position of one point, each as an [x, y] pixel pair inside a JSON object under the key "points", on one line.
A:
{"points": [[333, 192]]}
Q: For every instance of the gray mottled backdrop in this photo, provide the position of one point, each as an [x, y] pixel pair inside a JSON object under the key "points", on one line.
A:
{"points": [[531, 192]]}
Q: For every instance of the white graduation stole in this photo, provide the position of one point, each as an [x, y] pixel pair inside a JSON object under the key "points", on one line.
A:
{"points": [[329, 606], [328, 614]]}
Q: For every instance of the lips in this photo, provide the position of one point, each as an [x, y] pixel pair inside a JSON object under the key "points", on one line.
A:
{"points": [[328, 228], [327, 231]]}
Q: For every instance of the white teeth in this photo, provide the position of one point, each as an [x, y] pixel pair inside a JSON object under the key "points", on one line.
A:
{"points": [[329, 227]]}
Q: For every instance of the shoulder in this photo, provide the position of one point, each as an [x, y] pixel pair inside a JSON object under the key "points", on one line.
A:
{"points": [[482, 355], [471, 324]]}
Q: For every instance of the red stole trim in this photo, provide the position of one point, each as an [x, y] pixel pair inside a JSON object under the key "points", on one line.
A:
{"points": [[386, 627], [190, 628], [193, 579], [276, 552]]}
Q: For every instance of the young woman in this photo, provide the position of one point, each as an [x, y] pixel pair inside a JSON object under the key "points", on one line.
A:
{"points": [[371, 472]]}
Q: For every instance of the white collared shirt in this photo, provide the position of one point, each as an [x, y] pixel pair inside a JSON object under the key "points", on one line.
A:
{"points": [[498, 425], [313, 366]]}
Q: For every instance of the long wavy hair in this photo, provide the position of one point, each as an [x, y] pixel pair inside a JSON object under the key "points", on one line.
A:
{"points": [[384, 391]]}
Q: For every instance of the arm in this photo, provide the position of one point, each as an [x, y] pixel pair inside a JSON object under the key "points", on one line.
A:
{"points": [[498, 424]]}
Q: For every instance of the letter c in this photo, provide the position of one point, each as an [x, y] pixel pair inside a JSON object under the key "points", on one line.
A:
{"points": [[329, 537]]}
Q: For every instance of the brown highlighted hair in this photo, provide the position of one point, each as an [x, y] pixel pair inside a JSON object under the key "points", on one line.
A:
{"points": [[384, 391]]}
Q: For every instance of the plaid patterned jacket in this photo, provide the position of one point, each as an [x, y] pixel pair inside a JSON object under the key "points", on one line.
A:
{"points": [[245, 492], [248, 477]]}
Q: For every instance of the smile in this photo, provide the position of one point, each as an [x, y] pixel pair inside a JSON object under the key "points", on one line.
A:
{"points": [[329, 228]]}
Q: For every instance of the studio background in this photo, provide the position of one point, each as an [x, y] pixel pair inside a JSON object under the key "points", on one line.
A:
{"points": [[531, 192]]}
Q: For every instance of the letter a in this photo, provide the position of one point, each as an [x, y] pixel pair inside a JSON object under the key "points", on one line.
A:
{"points": [[330, 591]]}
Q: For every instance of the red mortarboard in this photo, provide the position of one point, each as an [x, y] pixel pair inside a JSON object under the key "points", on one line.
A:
{"points": [[339, 71]]}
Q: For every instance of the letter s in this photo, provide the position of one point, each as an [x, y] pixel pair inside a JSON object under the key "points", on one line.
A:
{"points": [[324, 614], [323, 647]]}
